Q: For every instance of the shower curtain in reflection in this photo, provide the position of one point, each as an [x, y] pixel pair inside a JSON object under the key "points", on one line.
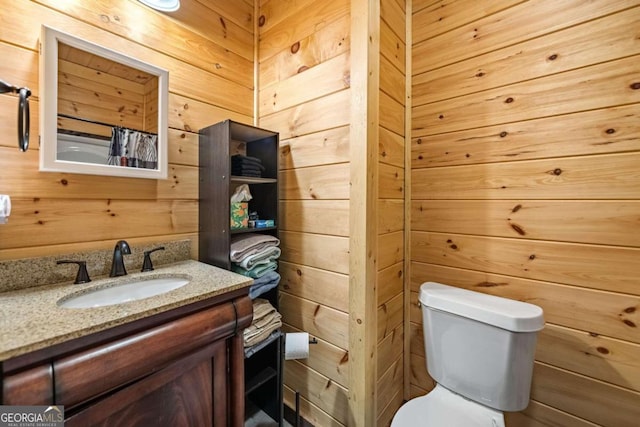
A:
{"points": [[133, 148]]}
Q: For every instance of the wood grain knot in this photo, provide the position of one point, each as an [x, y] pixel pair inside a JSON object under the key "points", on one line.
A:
{"points": [[635, 86], [64, 182], [518, 229], [516, 208], [532, 257], [262, 20], [630, 310], [295, 47], [509, 100], [603, 350], [489, 284], [441, 116], [610, 131], [344, 359], [629, 323], [557, 171], [419, 141], [553, 57], [503, 134]]}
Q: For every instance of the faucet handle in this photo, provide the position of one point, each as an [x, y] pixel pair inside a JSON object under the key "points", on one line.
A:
{"points": [[147, 265], [83, 274]]}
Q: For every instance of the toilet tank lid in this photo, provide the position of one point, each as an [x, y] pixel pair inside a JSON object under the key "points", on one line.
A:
{"points": [[512, 315]]}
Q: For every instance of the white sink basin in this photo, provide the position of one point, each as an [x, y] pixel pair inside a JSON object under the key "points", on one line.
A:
{"points": [[130, 291]]}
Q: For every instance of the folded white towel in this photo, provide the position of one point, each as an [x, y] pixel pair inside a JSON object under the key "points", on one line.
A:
{"points": [[265, 256], [244, 245]]}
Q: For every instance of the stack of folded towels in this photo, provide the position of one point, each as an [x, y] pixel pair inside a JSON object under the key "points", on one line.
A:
{"points": [[255, 255], [266, 321], [246, 166]]}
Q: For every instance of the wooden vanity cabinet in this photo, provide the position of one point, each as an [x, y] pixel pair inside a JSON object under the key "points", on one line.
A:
{"points": [[184, 367]]}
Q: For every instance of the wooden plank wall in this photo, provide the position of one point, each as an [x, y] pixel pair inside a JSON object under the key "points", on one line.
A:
{"points": [[526, 184], [209, 56], [390, 211], [304, 94]]}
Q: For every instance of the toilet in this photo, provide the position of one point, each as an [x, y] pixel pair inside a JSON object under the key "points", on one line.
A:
{"points": [[480, 351]]}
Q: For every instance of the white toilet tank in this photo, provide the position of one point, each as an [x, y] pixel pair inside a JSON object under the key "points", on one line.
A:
{"points": [[480, 346]]}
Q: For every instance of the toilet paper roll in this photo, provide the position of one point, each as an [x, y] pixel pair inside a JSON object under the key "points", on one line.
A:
{"points": [[296, 345], [5, 208]]}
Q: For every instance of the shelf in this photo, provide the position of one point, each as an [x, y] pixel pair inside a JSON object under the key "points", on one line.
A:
{"points": [[250, 230], [252, 180], [217, 144], [257, 380]]}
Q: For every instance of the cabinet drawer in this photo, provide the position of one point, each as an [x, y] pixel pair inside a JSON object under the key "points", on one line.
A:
{"points": [[33, 386], [93, 372]]}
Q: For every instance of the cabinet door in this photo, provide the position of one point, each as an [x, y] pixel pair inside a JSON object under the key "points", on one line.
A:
{"points": [[190, 392]]}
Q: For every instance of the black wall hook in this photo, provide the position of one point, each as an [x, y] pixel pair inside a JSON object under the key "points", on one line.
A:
{"points": [[24, 119]]}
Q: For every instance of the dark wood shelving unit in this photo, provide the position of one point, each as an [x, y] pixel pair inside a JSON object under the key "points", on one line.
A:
{"points": [[218, 142]]}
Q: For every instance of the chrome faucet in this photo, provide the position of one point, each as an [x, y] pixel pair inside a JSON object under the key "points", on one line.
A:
{"points": [[117, 265]]}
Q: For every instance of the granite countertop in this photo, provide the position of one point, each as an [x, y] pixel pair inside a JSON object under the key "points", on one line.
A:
{"points": [[30, 319]]}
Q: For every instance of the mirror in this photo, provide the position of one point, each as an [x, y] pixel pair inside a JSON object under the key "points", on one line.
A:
{"points": [[101, 112]]}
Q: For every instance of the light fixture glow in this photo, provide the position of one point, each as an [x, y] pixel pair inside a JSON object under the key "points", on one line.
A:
{"points": [[162, 5]]}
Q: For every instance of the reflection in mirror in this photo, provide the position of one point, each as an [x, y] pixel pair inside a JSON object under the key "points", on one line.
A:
{"points": [[102, 112]]}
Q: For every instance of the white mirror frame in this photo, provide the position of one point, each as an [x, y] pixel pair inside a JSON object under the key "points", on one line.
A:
{"points": [[49, 109]]}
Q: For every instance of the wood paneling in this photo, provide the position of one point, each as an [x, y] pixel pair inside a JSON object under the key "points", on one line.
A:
{"points": [[318, 182], [324, 147], [318, 390], [318, 47], [604, 131], [613, 176], [485, 31], [309, 411], [284, 26], [322, 286], [211, 79], [305, 95], [600, 222], [390, 182], [389, 350], [525, 184], [437, 17], [43, 222], [391, 149], [554, 53], [315, 216], [597, 312], [318, 115], [327, 77], [390, 215], [595, 401], [218, 45], [591, 266], [326, 359], [320, 321], [316, 250], [390, 249]]}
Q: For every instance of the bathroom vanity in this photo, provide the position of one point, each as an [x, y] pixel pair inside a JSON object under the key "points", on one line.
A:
{"points": [[179, 362]]}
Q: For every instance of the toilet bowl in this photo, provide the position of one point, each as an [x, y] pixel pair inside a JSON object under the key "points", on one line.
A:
{"points": [[442, 407], [480, 351]]}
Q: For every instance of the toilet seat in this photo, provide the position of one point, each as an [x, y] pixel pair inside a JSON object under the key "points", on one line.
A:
{"points": [[443, 408]]}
